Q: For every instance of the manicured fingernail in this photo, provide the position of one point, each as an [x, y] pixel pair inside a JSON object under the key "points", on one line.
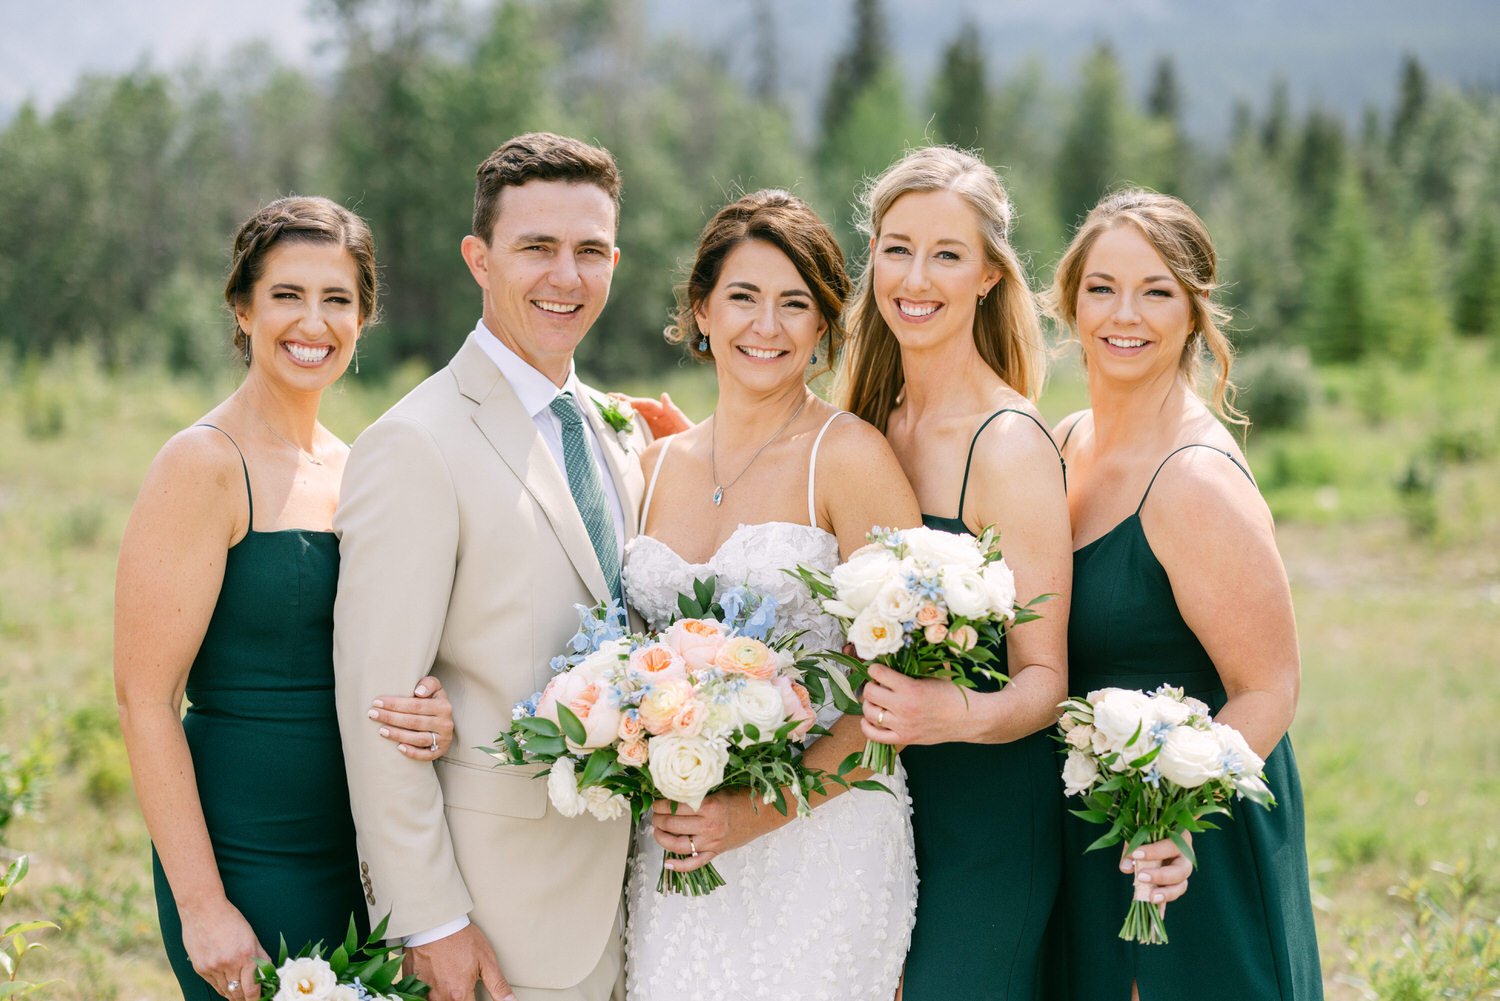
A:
{"points": [[669, 865], [403, 748], [374, 714], [1138, 853], [421, 692], [1157, 898], [1143, 877], [385, 732]]}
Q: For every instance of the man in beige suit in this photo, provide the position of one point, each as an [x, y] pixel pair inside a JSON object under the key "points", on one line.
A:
{"points": [[475, 514]]}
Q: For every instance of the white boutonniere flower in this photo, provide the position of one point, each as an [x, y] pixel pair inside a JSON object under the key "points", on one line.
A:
{"points": [[619, 415]]}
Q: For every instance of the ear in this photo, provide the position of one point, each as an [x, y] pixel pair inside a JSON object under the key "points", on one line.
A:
{"points": [[614, 261], [475, 251]]}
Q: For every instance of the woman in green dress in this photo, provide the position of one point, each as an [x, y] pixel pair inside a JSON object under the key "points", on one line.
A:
{"points": [[224, 593], [946, 357], [1176, 580]]}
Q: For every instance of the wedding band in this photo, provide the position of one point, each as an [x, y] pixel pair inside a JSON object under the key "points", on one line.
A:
{"points": [[233, 985], [434, 746], [880, 720], [693, 846]]}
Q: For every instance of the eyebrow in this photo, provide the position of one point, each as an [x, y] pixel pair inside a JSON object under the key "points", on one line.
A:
{"points": [[947, 239], [747, 286], [527, 238], [1149, 280], [294, 287]]}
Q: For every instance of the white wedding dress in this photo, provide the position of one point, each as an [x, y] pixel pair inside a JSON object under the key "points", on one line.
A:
{"points": [[821, 908]]}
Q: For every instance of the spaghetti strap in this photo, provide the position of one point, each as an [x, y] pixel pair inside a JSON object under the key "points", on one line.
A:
{"points": [[964, 490], [812, 467], [1195, 444], [1071, 428], [249, 498], [651, 488]]}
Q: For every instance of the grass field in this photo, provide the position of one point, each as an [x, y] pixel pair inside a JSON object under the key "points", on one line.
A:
{"points": [[1387, 503]]}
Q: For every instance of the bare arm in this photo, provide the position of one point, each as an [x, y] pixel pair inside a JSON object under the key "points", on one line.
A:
{"points": [[189, 511], [1015, 484]]}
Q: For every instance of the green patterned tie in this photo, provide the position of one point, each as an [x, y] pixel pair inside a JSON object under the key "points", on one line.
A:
{"points": [[588, 489]]}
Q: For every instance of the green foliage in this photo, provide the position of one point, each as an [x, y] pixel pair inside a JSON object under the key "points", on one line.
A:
{"points": [[960, 97], [1092, 157], [1344, 318], [1476, 305], [1278, 386], [24, 770], [373, 964], [14, 943]]}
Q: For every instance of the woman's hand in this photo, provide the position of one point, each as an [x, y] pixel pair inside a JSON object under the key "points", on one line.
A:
{"points": [[420, 726], [661, 416], [222, 948], [1161, 871], [902, 710], [725, 820]]}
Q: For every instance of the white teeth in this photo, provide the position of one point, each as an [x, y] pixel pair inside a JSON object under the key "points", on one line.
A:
{"points": [[309, 354], [911, 310], [762, 352], [1125, 342], [557, 307]]}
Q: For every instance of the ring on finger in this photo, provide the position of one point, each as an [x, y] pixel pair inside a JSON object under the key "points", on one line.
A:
{"points": [[233, 985], [693, 846], [880, 720], [434, 746]]}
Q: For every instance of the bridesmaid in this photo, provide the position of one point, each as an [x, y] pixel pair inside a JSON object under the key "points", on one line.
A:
{"points": [[224, 593], [946, 358], [1176, 580]]}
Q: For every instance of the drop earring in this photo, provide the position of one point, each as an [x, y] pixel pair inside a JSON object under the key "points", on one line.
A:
{"points": [[356, 358], [703, 344]]}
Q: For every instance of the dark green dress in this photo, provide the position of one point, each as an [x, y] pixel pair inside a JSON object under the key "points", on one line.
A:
{"points": [[985, 819], [1244, 929], [265, 744]]}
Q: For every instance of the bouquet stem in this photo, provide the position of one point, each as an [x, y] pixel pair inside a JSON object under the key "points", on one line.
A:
{"points": [[879, 758], [1144, 924], [694, 884]]}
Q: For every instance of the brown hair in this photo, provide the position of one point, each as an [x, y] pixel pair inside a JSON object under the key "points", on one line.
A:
{"points": [[307, 220], [790, 225], [1179, 236], [1006, 330], [540, 156]]}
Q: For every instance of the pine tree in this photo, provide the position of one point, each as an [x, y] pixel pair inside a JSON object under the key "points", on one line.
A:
{"points": [[858, 66], [1090, 160], [1476, 305], [1412, 104], [1343, 319], [1274, 132], [960, 99]]}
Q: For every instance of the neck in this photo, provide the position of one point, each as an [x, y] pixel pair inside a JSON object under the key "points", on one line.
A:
{"points": [[744, 418], [944, 378], [294, 415], [1130, 415]]}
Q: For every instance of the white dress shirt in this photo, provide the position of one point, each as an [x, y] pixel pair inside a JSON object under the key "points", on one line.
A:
{"points": [[536, 392]]}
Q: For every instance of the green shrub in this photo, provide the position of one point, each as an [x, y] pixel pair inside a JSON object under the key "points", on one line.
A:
{"points": [[1278, 386], [14, 944]]}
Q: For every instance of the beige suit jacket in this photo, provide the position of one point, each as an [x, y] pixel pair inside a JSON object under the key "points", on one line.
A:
{"points": [[462, 555]]}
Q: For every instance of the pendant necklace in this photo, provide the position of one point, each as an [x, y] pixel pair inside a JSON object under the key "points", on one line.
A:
{"points": [[300, 450], [713, 466]]}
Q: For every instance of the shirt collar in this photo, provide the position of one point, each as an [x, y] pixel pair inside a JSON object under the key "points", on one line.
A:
{"points": [[535, 391]]}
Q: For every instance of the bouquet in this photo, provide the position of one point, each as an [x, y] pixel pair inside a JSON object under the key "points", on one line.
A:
{"points": [[920, 601], [712, 702], [1152, 766], [354, 972]]}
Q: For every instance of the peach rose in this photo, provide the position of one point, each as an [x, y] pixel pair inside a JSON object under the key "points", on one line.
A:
{"points": [[930, 615], [750, 657], [796, 703], [964, 637], [935, 633], [663, 700], [657, 661], [631, 727], [697, 640], [633, 753], [689, 719]]}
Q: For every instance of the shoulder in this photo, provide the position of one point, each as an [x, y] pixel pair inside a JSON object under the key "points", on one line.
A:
{"points": [[851, 443], [1068, 426], [197, 481], [1202, 501]]}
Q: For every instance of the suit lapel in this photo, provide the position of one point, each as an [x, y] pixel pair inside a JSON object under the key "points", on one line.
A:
{"points": [[624, 468], [510, 430]]}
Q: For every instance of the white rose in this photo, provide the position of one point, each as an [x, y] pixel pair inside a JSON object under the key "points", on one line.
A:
{"points": [[305, 979], [344, 992], [1118, 714], [1079, 773], [562, 788], [896, 602], [943, 549], [857, 582], [604, 804], [759, 703], [1080, 737], [1001, 585], [687, 768], [965, 592], [873, 635], [1234, 747], [1190, 757], [1168, 710]]}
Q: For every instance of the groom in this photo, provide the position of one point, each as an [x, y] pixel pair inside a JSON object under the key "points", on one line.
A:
{"points": [[475, 514]]}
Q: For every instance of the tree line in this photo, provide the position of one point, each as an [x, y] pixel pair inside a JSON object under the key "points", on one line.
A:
{"points": [[117, 207]]}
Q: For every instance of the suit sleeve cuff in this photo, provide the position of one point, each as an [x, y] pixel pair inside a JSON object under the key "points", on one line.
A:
{"points": [[441, 931]]}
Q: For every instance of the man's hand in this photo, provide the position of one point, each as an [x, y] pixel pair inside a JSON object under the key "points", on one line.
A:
{"points": [[452, 965]]}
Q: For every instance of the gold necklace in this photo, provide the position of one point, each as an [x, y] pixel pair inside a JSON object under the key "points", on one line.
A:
{"points": [[713, 465], [300, 450]]}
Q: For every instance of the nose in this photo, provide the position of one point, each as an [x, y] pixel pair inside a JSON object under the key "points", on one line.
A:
{"points": [[313, 320], [1124, 311], [564, 271], [916, 274], [764, 321]]}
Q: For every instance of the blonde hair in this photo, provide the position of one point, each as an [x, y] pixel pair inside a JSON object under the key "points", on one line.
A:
{"points": [[1007, 332], [1177, 234]]}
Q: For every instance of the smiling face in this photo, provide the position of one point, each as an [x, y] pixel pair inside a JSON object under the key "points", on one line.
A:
{"points": [[1134, 317], [930, 268], [546, 269], [761, 319], [303, 315]]}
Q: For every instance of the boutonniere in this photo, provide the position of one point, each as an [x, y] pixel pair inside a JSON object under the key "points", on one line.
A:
{"points": [[619, 415]]}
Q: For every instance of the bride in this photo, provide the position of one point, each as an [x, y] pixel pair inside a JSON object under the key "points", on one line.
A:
{"points": [[821, 906]]}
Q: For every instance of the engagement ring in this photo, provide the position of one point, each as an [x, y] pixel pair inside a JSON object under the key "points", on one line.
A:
{"points": [[434, 746]]}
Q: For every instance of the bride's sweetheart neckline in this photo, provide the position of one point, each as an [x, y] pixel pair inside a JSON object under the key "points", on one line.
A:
{"points": [[730, 537]]}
